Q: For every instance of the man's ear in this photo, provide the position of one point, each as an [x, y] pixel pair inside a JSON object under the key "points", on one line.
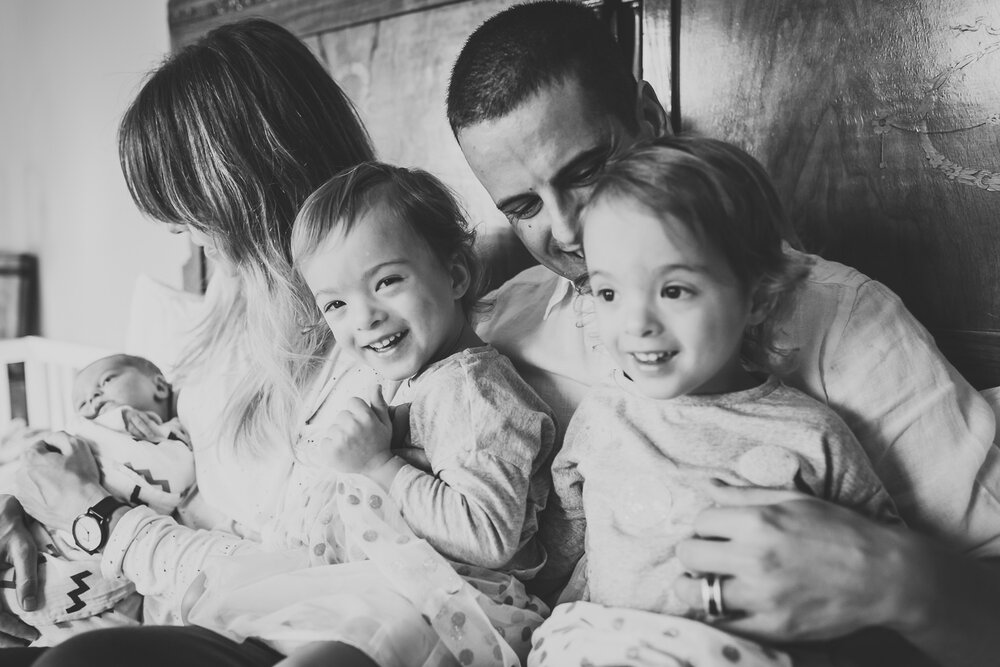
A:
{"points": [[162, 388], [461, 276], [652, 117]]}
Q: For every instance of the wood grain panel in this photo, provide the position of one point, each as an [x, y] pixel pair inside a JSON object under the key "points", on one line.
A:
{"points": [[975, 353], [658, 52], [878, 121], [396, 72], [190, 19]]}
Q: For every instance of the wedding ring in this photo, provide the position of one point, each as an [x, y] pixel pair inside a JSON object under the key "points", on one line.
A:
{"points": [[711, 597]]}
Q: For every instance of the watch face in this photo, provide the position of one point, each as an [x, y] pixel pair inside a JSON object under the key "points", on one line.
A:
{"points": [[87, 533]]}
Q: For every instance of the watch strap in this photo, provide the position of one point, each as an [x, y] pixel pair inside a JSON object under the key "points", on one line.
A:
{"points": [[104, 508]]}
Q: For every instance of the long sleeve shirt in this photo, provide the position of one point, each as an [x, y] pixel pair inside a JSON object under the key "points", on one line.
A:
{"points": [[927, 432]]}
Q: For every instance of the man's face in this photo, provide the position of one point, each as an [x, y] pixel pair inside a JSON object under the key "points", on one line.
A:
{"points": [[539, 162]]}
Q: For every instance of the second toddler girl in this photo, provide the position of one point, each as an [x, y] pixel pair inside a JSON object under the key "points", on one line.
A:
{"points": [[389, 261], [686, 268]]}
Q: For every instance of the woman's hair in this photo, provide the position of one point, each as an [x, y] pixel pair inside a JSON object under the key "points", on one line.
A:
{"points": [[412, 197], [724, 197], [229, 136]]}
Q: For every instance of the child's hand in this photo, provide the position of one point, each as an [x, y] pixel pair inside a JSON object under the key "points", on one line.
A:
{"points": [[142, 425], [359, 439]]}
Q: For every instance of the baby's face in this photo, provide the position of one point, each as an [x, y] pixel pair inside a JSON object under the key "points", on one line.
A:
{"points": [[385, 295], [109, 383], [669, 308]]}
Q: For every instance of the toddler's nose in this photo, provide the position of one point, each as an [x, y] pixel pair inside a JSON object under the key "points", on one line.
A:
{"points": [[641, 322], [368, 317]]}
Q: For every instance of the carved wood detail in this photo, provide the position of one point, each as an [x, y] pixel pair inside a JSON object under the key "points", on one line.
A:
{"points": [[878, 122], [190, 19]]}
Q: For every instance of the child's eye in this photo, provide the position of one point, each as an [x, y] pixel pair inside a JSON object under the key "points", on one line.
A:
{"points": [[106, 379], [387, 282], [673, 292], [333, 305], [605, 294]]}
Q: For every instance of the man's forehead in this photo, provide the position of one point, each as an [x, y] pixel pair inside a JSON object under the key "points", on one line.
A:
{"points": [[536, 141]]}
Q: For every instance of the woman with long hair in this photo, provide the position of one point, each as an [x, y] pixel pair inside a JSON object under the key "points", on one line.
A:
{"points": [[225, 140]]}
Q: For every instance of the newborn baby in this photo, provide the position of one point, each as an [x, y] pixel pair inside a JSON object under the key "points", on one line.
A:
{"points": [[127, 414]]}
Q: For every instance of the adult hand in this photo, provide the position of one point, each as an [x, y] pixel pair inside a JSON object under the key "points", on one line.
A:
{"points": [[17, 550], [58, 480], [359, 439], [796, 568], [16, 437]]}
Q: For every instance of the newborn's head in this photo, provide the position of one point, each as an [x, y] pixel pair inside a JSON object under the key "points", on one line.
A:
{"points": [[120, 380]]}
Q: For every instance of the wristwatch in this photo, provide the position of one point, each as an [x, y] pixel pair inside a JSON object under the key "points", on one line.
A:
{"points": [[90, 529]]}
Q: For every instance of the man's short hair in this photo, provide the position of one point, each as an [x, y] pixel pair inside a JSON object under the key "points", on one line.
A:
{"points": [[527, 47]]}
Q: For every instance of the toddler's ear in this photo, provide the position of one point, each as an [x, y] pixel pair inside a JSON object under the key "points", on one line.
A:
{"points": [[761, 304], [461, 276]]}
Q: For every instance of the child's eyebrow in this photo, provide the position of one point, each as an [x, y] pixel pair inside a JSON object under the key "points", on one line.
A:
{"points": [[328, 291], [381, 265]]}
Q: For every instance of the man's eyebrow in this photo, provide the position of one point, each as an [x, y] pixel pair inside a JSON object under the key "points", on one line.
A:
{"points": [[566, 173], [510, 202], [601, 151]]}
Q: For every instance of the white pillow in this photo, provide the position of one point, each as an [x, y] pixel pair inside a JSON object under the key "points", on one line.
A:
{"points": [[161, 321]]}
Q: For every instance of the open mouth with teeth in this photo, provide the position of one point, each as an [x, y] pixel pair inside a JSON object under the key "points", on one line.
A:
{"points": [[388, 343], [653, 358]]}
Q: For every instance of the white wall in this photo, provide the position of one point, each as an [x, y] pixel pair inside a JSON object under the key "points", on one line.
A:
{"points": [[68, 70]]}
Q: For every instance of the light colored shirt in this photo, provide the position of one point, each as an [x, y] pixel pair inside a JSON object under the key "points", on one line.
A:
{"points": [[927, 432], [631, 477], [488, 438], [161, 557]]}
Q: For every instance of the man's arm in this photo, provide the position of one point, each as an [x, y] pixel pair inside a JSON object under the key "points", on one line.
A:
{"points": [[803, 569]]}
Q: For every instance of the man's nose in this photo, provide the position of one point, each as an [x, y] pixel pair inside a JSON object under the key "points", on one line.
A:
{"points": [[566, 220]]}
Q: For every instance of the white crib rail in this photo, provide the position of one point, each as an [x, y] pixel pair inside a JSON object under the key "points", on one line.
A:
{"points": [[49, 369]]}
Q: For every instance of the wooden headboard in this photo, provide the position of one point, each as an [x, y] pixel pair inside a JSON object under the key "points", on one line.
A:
{"points": [[879, 120]]}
